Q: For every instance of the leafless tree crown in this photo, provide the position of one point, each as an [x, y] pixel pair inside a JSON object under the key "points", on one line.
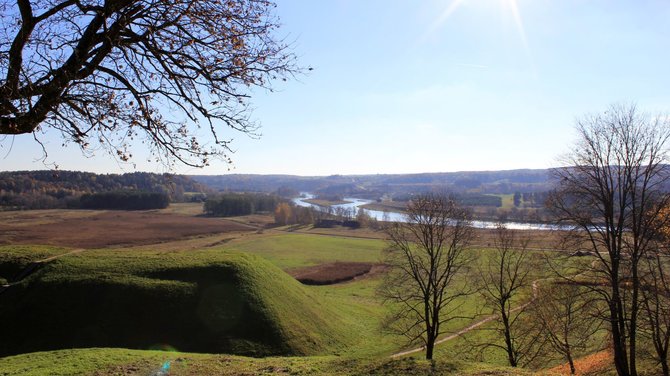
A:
{"points": [[104, 73], [427, 254], [612, 191]]}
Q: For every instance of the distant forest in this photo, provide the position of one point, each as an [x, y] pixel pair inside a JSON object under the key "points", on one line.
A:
{"points": [[65, 189], [62, 189], [232, 204], [393, 185]]}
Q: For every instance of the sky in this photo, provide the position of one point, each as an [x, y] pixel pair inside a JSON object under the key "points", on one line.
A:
{"points": [[430, 86]]}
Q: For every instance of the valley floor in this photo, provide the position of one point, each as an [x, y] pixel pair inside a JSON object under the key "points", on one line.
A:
{"points": [[145, 250]]}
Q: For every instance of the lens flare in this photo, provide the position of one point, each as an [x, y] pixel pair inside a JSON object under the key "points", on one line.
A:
{"points": [[510, 6]]}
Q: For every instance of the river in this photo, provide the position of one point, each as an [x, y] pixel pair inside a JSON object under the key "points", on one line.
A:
{"points": [[354, 204]]}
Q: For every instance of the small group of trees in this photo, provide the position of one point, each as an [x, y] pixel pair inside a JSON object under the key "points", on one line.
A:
{"points": [[433, 274], [615, 194], [233, 204], [286, 213]]}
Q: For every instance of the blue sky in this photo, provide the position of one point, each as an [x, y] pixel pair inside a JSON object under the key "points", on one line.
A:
{"points": [[434, 85]]}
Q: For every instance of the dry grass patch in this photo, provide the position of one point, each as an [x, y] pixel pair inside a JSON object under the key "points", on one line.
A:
{"points": [[98, 229]]}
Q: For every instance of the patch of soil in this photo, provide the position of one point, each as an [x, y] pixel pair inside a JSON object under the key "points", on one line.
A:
{"points": [[337, 272], [114, 228], [592, 364]]}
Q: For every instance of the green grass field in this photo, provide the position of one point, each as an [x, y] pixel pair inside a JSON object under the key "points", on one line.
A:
{"points": [[16, 258], [219, 294], [105, 361], [296, 250]]}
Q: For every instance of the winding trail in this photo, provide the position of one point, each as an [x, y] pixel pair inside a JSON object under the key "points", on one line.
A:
{"points": [[475, 325], [33, 266], [535, 286]]}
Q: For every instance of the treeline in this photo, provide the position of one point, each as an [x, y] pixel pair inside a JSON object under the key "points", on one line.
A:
{"points": [[22, 190], [232, 204], [125, 200], [374, 186]]}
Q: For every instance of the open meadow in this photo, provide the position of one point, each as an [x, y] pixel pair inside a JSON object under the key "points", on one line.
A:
{"points": [[101, 292]]}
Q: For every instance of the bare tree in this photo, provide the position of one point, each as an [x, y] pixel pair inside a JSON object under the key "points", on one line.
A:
{"points": [[427, 256], [505, 279], [656, 307], [611, 192], [568, 317], [104, 73]]}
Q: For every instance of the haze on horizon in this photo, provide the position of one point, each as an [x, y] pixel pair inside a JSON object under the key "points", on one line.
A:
{"points": [[440, 86]]}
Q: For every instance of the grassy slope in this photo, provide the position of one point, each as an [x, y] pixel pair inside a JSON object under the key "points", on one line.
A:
{"points": [[358, 299], [16, 258], [355, 302], [210, 301], [102, 362], [352, 306]]}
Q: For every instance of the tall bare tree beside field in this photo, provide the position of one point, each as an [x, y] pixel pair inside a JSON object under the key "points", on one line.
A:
{"points": [[612, 193], [656, 294], [505, 278], [656, 307], [105, 72], [427, 256]]}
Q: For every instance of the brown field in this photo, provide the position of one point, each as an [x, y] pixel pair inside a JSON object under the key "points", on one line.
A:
{"points": [[336, 272], [98, 229], [391, 206]]}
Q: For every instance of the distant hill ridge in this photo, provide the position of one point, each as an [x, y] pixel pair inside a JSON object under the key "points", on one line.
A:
{"points": [[508, 181]]}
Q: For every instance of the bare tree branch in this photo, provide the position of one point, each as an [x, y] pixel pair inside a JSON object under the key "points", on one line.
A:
{"points": [[426, 255], [106, 72]]}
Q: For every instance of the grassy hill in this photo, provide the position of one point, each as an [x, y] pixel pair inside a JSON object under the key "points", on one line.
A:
{"points": [[200, 301], [104, 362]]}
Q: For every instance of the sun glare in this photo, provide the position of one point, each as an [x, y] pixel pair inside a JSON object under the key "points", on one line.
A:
{"points": [[509, 6]]}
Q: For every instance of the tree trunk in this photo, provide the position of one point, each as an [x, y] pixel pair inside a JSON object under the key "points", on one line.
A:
{"points": [[572, 365], [430, 344], [508, 340], [632, 331], [620, 358], [568, 355], [617, 321]]}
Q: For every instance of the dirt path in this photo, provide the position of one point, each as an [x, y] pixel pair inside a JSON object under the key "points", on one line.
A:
{"points": [[475, 325], [33, 266], [48, 259], [535, 286]]}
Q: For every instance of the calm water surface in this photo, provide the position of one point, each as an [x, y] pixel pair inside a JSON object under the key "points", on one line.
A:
{"points": [[354, 204]]}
